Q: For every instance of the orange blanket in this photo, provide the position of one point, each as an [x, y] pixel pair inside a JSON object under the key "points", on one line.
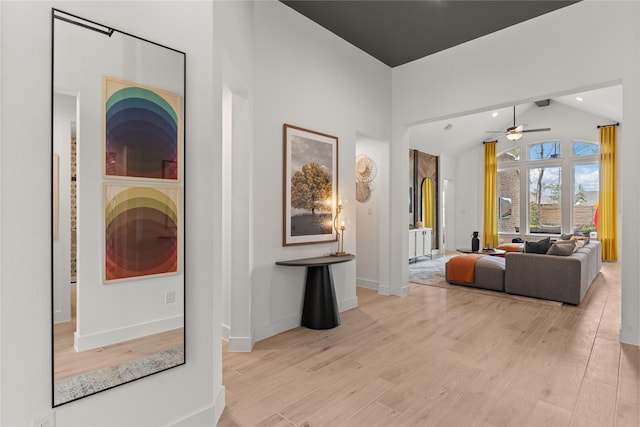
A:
{"points": [[511, 247], [461, 268]]}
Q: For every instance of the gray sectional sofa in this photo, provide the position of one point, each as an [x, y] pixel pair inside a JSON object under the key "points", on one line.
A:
{"points": [[551, 277]]}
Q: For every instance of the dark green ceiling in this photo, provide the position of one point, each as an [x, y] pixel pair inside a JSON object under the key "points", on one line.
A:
{"points": [[397, 32]]}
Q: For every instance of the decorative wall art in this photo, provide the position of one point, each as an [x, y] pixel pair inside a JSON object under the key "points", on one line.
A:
{"points": [[142, 131], [310, 186], [141, 228], [366, 171]]}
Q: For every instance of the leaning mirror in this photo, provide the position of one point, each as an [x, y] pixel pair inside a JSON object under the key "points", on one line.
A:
{"points": [[117, 207]]}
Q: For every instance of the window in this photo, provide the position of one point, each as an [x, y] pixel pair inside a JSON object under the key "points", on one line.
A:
{"points": [[558, 191], [508, 194], [581, 149], [509, 156], [544, 150], [545, 215], [586, 192]]}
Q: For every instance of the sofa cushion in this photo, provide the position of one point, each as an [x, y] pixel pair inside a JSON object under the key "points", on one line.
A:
{"points": [[580, 238], [539, 247], [562, 249], [574, 244]]}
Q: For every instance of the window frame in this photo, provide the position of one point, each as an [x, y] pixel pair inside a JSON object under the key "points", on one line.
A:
{"points": [[577, 161], [566, 161]]}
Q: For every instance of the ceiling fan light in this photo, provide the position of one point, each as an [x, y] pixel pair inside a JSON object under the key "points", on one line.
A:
{"points": [[514, 136]]}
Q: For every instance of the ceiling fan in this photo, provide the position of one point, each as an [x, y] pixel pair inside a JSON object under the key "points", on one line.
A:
{"points": [[514, 133]]}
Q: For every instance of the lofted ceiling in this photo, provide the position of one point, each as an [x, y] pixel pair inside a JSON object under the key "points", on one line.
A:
{"points": [[400, 31], [457, 134]]}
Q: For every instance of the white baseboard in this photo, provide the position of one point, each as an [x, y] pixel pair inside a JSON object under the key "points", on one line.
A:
{"points": [[226, 331], [384, 290], [113, 336], [265, 331], [366, 283], [347, 304], [629, 337], [405, 290], [208, 416], [240, 344]]}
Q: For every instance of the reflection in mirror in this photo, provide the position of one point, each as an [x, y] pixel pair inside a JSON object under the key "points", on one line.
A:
{"points": [[117, 207], [423, 193]]}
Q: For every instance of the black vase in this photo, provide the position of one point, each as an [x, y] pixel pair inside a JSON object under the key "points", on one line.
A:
{"points": [[475, 242]]}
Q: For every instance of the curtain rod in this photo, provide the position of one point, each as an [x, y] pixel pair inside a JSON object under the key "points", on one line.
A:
{"points": [[489, 142], [606, 126]]}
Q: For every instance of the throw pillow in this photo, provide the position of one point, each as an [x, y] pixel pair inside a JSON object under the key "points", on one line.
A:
{"points": [[587, 236], [571, 243], [566, 236], [539, 247], [560, 249], [582, 239]]}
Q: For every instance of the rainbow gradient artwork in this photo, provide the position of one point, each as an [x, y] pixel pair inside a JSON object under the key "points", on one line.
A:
{"points": [[141, 230], [142, 131]]}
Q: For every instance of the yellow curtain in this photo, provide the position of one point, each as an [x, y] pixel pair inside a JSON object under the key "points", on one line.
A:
{"points": [[427, 203], [608, 203], [490, 195]]}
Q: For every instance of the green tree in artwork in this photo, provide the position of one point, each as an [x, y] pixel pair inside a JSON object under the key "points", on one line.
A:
{"points": [[310, 187]]}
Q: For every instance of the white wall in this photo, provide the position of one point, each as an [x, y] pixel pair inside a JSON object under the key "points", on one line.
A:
{"points": [[25, 242], [308, 77], [568, 50], [368, 214], [236, 42]]}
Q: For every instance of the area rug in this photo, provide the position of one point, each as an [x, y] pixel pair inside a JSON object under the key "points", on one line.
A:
{"points": [[92, 382], [429, 271]]}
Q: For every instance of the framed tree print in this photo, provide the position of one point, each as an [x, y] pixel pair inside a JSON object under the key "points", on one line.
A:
{"points": [[310, 186]]}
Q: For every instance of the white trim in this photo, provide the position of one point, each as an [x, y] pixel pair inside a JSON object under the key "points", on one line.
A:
{"points": [[240, 344], [226, 331], [627, 336], [366, 283], [113, 336], [208, 416], [384, 290], [268, 330], [347, 304]]}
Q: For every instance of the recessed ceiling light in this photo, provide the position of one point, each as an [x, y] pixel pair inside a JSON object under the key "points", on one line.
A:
{"points": [[579, 99], [495, 114]]}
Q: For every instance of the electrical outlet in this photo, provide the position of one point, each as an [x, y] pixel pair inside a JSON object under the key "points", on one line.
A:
{"points": [[44, 421], [170, 297]]}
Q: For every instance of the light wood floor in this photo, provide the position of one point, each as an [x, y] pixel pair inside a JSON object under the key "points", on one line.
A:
{"points": [[445, 357], [69, 363]]}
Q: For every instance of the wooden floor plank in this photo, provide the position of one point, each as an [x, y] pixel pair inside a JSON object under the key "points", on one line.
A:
{"points": [[445, 357], [595, 405]]}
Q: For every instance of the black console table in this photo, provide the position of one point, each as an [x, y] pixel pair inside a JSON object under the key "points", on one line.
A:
{"points": [[320, 310]]}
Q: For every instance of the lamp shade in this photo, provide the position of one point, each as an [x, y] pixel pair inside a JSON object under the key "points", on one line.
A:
{"points": [[514, 136]]}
